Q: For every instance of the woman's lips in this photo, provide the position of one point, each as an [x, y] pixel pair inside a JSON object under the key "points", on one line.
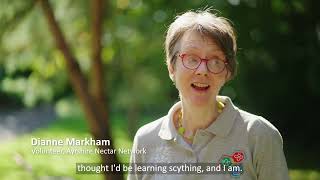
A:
{"points": [[200, 86]]}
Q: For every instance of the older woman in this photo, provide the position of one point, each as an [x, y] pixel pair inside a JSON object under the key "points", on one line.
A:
{"points": [[204, 127]]}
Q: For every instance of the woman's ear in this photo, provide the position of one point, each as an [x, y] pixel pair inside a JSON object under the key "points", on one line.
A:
{"points": [[171, 72], [228, 76]]}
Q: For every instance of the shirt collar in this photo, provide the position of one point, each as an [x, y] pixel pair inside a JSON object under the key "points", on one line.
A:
{"points": [[220, 127], [168, 130], [223, 124]]}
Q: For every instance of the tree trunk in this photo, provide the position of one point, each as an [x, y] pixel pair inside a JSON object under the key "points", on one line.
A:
{"points": [[93, 106], [97, 73]]}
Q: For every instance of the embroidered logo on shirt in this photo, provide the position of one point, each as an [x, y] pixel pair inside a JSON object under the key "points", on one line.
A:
{"points": [[232, 162], [238, 156]]}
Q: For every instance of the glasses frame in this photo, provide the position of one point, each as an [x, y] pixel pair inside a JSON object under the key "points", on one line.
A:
{"points": [[205, 60]]}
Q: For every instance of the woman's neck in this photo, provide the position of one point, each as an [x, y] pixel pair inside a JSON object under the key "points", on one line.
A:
{"points": [[194, 118]]}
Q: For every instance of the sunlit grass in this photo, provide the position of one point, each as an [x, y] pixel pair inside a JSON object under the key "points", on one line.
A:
{"points": [[298, 174], [18, 162]]}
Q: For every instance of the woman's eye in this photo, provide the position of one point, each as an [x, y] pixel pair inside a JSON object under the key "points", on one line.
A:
{"points": [[194, 60], [215, 62]]}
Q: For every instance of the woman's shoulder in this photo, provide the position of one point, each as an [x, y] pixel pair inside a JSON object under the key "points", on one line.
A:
{"points": [[150, 130], [258, 126]]}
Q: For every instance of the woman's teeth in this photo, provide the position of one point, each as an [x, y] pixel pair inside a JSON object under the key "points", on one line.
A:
{"points": [[200, 85]]}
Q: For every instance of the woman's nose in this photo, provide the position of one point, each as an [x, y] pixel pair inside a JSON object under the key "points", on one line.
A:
{"points": [[202, 69]]}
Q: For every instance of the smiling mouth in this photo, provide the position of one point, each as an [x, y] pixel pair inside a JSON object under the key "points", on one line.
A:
{"points": [[200, 86]]}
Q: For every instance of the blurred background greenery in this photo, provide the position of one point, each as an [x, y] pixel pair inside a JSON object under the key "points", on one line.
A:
{"points": [[278, 78]]}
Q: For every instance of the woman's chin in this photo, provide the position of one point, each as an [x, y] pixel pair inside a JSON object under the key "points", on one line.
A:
{"points": [[200, 101]]}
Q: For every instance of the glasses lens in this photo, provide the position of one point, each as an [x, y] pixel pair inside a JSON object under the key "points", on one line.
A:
{"points": [[215, 66], [191, 61]]}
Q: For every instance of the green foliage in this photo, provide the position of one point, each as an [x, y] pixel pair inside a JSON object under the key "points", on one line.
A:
{"points": [[34, 71], [12, 12]]}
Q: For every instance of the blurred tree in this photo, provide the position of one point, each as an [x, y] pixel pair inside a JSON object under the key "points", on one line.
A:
{"points": [[93, 102], [91, 98]]}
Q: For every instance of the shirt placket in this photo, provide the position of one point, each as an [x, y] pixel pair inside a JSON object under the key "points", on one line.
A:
{"points": [[201, 140]]}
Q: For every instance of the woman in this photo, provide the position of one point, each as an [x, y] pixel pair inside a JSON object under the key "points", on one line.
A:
{"points": [[205, 127]]}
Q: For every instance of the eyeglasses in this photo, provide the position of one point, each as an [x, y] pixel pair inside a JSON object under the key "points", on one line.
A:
{"points": [[193, 62]]}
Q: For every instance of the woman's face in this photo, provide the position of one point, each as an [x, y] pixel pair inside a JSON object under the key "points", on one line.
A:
{"points": [[199, 86]]}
